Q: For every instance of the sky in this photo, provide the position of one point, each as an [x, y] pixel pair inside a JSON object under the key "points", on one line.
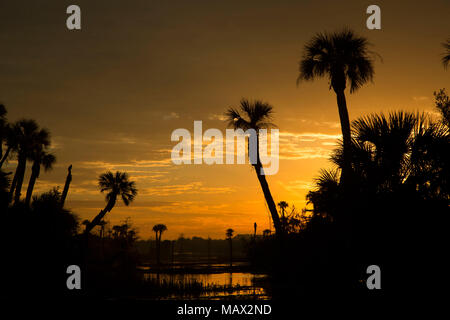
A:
{"points": [[112, 93]]}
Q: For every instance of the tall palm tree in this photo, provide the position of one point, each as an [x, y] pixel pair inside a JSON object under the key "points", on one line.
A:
{"points": [[229, 235], [116, 185], [29, 138], [256, 115], [344, 58], [446, 56], [158, 229], [41, 158]]}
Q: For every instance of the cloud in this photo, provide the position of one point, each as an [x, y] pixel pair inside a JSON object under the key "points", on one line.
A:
{"points": [[329, 124], [297, 185], [220, 117], [309, 136], [420, 98], [299, 146], [123, 165], [170, 116], [193, 187], [306, 153]]}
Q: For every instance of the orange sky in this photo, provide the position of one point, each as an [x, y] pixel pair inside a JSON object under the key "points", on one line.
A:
{"points": [[112, 93]]}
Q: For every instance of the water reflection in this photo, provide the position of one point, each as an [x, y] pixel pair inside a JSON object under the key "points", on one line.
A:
{"points": [[223, 285]]}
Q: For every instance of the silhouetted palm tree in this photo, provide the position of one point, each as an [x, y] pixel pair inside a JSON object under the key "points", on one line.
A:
{"points": [[256, 115], [283, 205], [29, 138], [446, 57], [10, 139], [117, 185], [41, 158], [402, 151], [158, 229], [229, 235], [342, 57]]}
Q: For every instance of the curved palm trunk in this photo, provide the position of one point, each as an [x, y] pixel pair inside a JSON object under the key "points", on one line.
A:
{"points": [[269, 199], [21, 166], [101, 214], [35, 170], [66, 185], [346, 137], [267, 194], [5, 156]]}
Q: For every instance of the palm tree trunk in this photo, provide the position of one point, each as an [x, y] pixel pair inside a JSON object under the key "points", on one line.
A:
{"points": [[100, 215], [157, 248], [346, 137], [34, 175], [265, 187], [5, 156], [13, 186], [231, 253], [347, 171], [66, 185], [21, 166], [269, 199]]}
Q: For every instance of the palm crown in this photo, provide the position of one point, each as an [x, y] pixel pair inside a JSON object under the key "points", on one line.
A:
{"points": [[117, 184], [250, 115], [229, 233], [29, 137], [159, 228], [342, 56]]}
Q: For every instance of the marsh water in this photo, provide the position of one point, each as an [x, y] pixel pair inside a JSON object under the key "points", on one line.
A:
{"points": [[216, 283]]}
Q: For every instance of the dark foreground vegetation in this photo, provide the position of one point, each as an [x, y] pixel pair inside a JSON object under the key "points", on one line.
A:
{"points": [[394, 217]]}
